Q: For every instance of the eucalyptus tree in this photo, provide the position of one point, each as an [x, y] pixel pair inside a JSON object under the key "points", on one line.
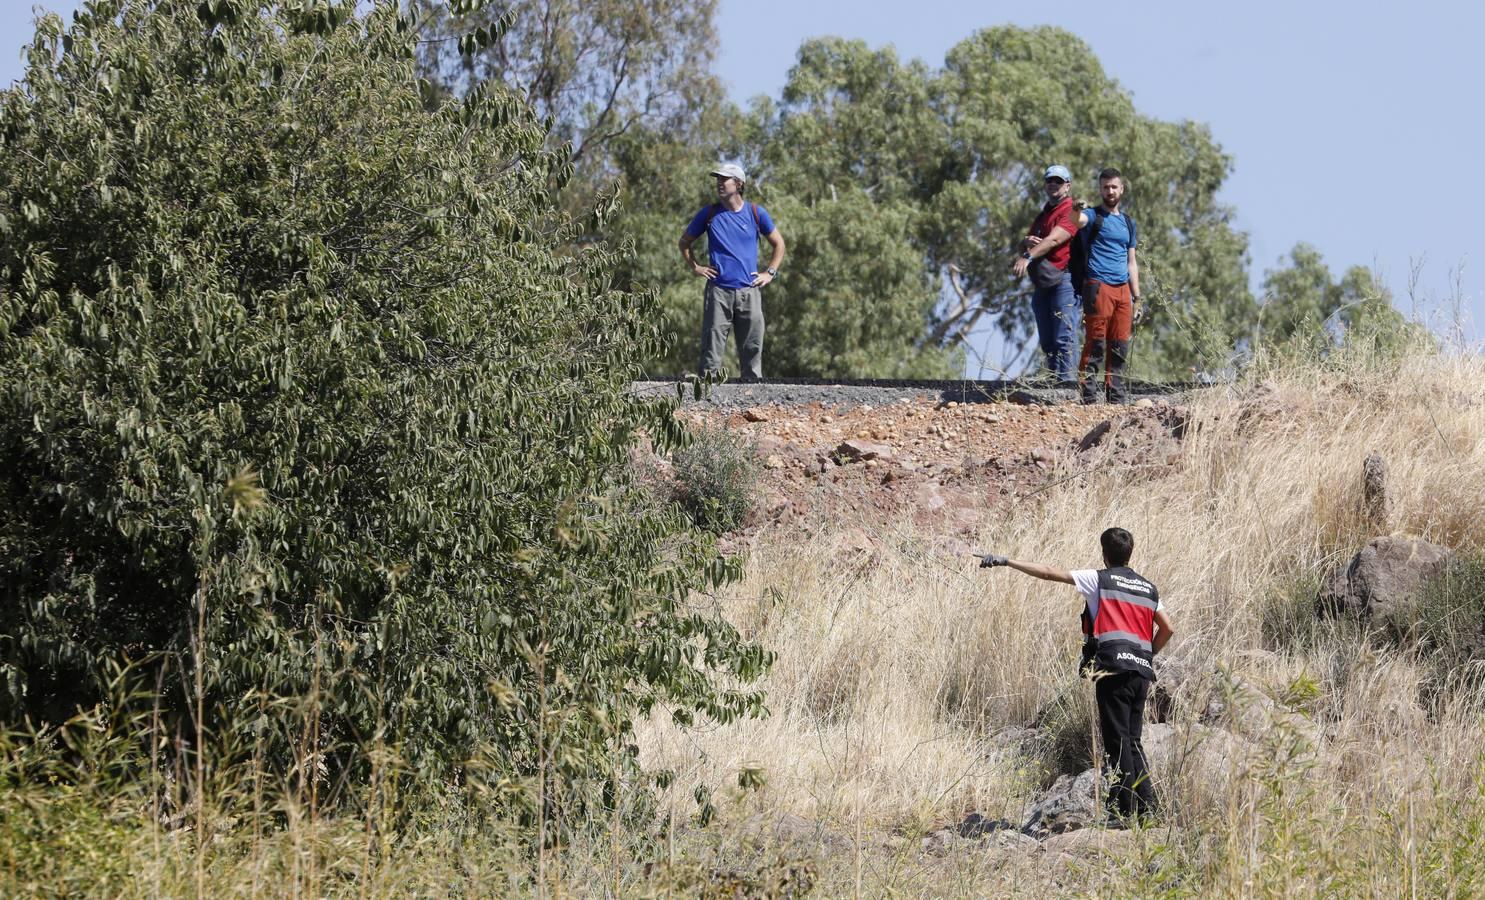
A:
{"points": [[597, 69], [1015, 100], [306, 403]]}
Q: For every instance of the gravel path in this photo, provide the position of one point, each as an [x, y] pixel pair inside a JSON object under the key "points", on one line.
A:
{"points": [[834, 394]]}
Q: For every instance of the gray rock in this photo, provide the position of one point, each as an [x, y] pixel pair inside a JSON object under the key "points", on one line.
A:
{"points": [[1011, 840], [1383, 579], [859, 451], [1038, 397], [976, 825], [940, 842], [1376, 505], [1195, 758], [1092, 842], [1071, 802], [1095, 435]]}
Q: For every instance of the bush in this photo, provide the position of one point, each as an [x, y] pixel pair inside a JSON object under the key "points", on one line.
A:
{"points": [[716, 479], [305, 396]]}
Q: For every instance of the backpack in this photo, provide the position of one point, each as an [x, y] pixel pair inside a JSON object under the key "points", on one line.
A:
{"points": [[711, 213], [1082, 244]]}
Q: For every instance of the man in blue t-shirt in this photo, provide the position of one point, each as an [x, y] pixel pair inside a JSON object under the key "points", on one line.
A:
{"points": [[733, 297], [1111, 290]]}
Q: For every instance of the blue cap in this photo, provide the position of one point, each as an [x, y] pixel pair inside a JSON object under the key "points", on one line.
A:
{"points": [[1057, 172]]}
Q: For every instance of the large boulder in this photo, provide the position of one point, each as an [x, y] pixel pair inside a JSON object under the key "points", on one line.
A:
{"points": [[1383, 579]]}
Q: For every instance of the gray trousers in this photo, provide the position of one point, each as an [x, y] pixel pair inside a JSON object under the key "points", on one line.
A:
{"points": [[727, 309]]}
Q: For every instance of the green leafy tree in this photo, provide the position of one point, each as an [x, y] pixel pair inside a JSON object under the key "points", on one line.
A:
{"points": [[944, 166], [1302, 303], [855, 297], [851, 150], [304, 395], [596, 68]]}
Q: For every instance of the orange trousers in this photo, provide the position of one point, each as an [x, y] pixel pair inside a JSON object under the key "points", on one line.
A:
{"points": [[1108, 321]]}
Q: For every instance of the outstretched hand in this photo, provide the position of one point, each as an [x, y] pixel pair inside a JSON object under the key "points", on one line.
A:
{"points": [[991, 560]]}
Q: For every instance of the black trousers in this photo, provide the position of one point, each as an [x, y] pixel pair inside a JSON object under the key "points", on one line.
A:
{"points": [[1121, 718]]}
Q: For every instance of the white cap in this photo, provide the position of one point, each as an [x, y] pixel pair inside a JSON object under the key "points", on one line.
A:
{"points": [[728, 170]]}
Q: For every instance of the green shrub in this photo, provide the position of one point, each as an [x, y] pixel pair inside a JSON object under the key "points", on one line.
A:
{"points": [[716, 478], [308, 405]]}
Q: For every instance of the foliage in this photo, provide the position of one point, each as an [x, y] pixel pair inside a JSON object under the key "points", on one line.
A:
{"points": [[1304, 307], [304, 394], [597, 69], [716, 479]]}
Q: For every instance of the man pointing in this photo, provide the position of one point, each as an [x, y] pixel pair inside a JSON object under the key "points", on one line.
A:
{"points": [[1123, 628]]}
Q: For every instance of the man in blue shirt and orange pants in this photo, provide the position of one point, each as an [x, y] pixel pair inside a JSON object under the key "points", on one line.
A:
{"points": [[1111, 290], [733, 299]]}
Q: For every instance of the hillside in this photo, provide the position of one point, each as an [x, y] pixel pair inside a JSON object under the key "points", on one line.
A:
{"points": [[923, 710]]}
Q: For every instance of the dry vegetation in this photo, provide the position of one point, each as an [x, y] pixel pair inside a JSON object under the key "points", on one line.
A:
{"points": [[905, 680], [912, 688]]}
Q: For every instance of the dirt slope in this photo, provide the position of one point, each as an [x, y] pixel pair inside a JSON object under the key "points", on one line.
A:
{"points": [[937, 462]]}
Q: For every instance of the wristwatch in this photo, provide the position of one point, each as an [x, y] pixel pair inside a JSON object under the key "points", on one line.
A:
{"points": [[771, 271], [1026, 254]]}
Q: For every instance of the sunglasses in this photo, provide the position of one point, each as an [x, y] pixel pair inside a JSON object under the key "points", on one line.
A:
{"points": [[1057, 181]]}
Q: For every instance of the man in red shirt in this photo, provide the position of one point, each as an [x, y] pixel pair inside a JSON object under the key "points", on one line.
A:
{"points": [[1044, 255]]}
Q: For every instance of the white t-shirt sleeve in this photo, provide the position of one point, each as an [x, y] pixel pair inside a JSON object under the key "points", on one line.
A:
{"points": [[1086, 581]]}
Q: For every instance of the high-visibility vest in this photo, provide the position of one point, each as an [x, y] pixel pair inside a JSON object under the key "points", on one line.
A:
{"points": [[1122, 623]]}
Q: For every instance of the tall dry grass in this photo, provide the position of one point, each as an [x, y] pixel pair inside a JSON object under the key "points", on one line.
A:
{"points": [[907, 680]]}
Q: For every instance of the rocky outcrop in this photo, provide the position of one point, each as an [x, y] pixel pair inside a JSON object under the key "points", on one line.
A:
{"points": [[1376, 504], [1384, 579], [1072, 802], [1147, 438]]}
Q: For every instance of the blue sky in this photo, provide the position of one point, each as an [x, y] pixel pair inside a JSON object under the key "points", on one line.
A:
{"points": [[1351, 126]]}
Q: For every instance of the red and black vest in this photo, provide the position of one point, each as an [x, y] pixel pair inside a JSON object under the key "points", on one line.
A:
{"points": [[1124, 623]]}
